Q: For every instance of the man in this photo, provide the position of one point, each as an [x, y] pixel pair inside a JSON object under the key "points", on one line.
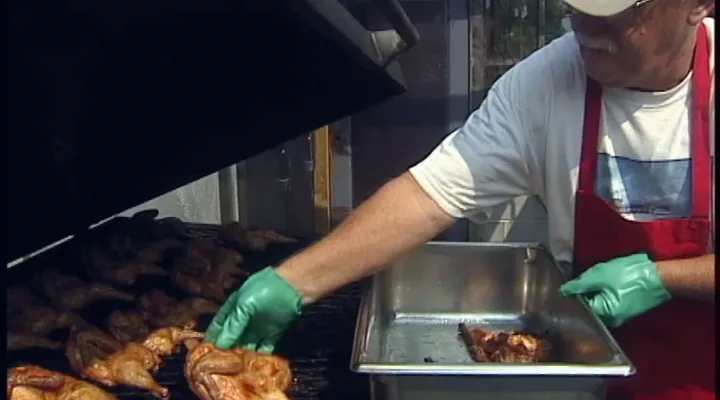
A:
{"points": [[609, 126]]}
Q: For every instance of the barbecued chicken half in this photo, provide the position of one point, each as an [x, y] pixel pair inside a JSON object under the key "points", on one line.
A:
{"points": [[505, 346], [235, 374], [36, 383], [72, 293], [99, 357], [235, 234]]}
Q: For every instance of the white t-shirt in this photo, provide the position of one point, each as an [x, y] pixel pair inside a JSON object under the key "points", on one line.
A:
{"points": [[525, 139]]}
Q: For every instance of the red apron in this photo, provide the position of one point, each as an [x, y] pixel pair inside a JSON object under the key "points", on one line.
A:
{"points": [[672, 346]]}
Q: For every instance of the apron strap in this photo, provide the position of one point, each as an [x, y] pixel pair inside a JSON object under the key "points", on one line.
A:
{"points": [[700, 127], [591, 134]]}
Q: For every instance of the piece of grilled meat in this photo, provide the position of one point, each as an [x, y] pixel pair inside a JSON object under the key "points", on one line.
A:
{"points": [[505, 346], [98, 356], [133, 366], [167, 341], [42, 320], [19, 297], [235, 374], [127, 325], [161, 310], [35, 383], [72, 293], [210, 285], [101, 265], [23, 341], [201, 255], [234, 234]]}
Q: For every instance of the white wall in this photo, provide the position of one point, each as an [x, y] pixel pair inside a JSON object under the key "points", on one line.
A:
{"points": [[195, 202]]}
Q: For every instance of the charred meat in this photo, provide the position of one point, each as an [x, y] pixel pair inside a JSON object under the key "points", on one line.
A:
{"points": [[127, 326], [36, 383], [41, 320], [210, 285], [161, 310], [236, 374], [19, 297], [505, 346], [23, 341], [72, 293]]}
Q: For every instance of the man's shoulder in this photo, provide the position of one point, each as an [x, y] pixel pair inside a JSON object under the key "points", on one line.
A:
{"points": [[550, 74]]}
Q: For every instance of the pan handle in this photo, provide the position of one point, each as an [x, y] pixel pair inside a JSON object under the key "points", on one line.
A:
{"points": [[393, 42]]}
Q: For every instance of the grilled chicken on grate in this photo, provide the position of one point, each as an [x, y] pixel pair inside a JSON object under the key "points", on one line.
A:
{"points": [[235, 374], [36, 383]]}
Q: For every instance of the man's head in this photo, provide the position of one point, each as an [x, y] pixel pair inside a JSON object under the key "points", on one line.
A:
{"points": [[630, 43]]}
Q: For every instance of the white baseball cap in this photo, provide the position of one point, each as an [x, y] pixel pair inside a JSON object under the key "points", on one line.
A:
{"points": [[601, 8]]}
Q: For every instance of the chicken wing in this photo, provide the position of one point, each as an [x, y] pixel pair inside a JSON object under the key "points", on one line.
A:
{"points": [[167, 341], [235, 374], [127, 325], [69, 292], [235, 234], [36, 383]]}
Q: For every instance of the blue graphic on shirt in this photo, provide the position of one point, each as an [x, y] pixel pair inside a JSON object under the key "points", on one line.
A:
{"points": [[661, 189]]}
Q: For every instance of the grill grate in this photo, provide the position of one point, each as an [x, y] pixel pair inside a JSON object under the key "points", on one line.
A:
{"points": [[318, 344]]}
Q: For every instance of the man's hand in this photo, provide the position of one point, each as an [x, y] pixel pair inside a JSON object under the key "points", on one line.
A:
{"points": [[257, 314], [620, 289]]}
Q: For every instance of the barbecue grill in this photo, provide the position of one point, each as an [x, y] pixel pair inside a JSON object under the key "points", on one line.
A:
{"points": [[106, 96]]}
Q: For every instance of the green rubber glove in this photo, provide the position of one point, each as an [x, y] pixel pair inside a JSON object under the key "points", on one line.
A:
{"points": [[256, 315], [620, 289]]}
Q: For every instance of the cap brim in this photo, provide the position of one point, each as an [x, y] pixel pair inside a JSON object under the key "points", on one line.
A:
{"points": [[600, 8]]}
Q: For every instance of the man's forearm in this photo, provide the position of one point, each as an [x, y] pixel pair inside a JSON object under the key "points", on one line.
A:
{"points": [[395, 220], [690, 277]]}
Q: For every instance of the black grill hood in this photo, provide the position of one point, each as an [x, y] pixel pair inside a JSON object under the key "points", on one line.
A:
{"points": [[113, 103]]}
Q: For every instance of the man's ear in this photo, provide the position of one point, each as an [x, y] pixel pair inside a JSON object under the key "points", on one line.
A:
{"points": [[701, 9]]}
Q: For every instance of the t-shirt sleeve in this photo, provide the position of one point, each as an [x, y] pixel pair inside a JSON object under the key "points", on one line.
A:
{"points": [[488, 160]]}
